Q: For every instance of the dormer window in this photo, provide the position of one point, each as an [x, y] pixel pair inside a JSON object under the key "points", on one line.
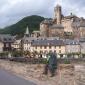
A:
{"points": [[9, 38], [5, 39], [26, 40], [73, 43]]}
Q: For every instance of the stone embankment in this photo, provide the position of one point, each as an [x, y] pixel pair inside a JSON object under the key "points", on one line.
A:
{"points": [[67, 74]]}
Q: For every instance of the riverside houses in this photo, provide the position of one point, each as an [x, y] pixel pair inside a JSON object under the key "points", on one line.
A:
{"points": [[6, 41], [27, 43], [72, 47], [82, 46], [16, 45], [45, 46]]}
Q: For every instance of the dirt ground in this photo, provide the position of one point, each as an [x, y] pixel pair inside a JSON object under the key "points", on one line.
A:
{"points": [[67, 74]]}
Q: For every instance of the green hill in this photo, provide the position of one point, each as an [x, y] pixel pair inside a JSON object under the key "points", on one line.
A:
{"points": [[33, 22]]}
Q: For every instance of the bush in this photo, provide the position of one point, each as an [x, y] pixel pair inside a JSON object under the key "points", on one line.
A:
{"points": [[17, 54], [66, 62], [4, 55]]}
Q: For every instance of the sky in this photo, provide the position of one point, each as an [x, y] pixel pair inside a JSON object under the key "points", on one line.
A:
{"points": [[11, 11]]}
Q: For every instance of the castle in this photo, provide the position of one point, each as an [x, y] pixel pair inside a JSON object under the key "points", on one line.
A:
{"points": [[63, 26]]}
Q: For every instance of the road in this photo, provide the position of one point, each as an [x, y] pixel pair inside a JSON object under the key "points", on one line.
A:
{"points": [[7, 78]]}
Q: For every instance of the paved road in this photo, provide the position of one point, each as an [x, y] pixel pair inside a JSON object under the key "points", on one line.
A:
{"points": [[7, 78]]}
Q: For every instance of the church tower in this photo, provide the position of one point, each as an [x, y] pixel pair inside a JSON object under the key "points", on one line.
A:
{"points": [[58, 14], [27, 34]]}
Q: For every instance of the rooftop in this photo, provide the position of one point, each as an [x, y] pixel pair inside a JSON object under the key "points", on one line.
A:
{"points": [[47, 42]]}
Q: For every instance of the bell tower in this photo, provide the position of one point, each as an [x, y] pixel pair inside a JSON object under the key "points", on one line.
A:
{"points": [[58, 13]]}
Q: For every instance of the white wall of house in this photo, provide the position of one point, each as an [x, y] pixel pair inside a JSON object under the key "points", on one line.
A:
{"points": [[82, 45], [1, 46], [27, 47], [16, 44], [58, 49], [72, 48]]}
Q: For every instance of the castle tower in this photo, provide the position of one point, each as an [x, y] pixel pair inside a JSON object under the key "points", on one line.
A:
{"points": [[27, 34], [58, 14], [44, 28]]}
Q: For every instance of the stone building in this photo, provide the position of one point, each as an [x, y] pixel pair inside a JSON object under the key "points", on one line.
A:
{"points": [[16, 45], [63, 26], [6, 41], [72, 48], [45, 46], [27, 43], [35, 34], [27, 40], [82, 46]]}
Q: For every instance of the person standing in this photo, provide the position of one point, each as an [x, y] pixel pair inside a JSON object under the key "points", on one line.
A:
{"points": [[51, 64]]}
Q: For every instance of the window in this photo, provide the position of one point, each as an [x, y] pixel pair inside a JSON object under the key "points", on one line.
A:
{"points": [[25, 48], [73, 43], [7, 45], [59, 47], [16, 46], [54, 51], [9, 38], [44, 47], [36, 47], [41, 47], [49, 47], [5, 39], [59, 51]]}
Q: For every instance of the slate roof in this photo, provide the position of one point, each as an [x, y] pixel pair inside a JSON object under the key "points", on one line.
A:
{"points": [[82, 40], [6, 38], [82, 24], [28, 39], [71, 42], [47, 43], [78, 24], [70, 16], [47, 21], [56, 26]]}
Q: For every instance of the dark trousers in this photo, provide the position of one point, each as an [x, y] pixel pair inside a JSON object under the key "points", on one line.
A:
{"points": [[52, 71]]}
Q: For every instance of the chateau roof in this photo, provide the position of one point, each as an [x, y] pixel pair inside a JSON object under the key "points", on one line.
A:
{"points": [[78, 24], [70, 16], [82, 40], [71, 42], [47, 21], [57, 26], [47, 43], [82, 24]]}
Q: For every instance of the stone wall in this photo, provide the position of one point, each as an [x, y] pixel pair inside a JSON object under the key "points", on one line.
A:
{"points": [[56, 32]]}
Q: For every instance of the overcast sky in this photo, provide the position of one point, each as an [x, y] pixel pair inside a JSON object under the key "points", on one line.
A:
{"points": [[12, 11]]}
